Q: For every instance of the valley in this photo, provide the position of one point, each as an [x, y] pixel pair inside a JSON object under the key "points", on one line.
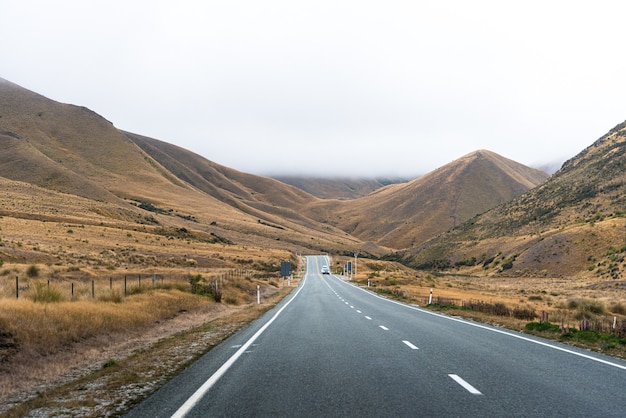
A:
{"points": [[114, 245]]}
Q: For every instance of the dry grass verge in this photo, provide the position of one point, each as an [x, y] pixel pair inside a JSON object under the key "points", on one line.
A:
{"points": [[589, 304], [114, 379]]}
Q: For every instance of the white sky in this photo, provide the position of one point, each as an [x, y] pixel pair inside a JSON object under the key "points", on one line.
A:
{"points": [[352, 88]]}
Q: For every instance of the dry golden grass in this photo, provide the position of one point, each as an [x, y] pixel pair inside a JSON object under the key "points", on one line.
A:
{"points": [[45, 328], [558, 298], [129, 374], [53, 242]]}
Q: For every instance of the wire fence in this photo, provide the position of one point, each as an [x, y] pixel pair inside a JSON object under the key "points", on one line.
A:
{"points": [[115, 285]]}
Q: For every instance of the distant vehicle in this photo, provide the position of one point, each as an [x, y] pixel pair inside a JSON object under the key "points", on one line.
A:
{"points": [[325, 270]]}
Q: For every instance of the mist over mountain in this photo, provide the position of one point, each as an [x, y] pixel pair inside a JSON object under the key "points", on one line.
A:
{"points": [[402, 215], [481, 209], [343, 188]]}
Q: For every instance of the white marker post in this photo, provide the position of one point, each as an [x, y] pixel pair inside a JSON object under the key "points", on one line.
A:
{"points": [[258, 294], [430, 298]]}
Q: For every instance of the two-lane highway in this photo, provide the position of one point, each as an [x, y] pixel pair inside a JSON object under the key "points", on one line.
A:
{"points": [[332, 349]]}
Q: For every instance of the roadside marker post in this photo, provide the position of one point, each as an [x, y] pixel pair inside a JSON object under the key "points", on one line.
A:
{"points": [[258, 294], [430, 298]]}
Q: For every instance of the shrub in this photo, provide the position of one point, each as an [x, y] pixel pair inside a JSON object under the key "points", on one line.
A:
{"points": [[586, 308], [523, 313], [195, 280], [199, 288], [110, 363], [32, 271], [45, 293], [542, 326]]}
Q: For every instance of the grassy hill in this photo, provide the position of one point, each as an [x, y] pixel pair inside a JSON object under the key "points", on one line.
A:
{"points": [[574, 223], [72, 150], [406, 214], [85, 206]]}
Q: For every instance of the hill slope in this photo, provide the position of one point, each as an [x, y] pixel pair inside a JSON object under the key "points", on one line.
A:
{"points": [[402, 215], [72, 150], [573, 223]]}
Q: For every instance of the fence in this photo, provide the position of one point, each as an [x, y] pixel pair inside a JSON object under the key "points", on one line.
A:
{"points": [[121, 285], [599, 325]]}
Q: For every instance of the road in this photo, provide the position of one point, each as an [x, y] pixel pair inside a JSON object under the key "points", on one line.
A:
{"points": [[331, 349]]}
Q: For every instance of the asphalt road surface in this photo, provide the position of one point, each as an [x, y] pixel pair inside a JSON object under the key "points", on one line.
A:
{"points": [[331, 349]]}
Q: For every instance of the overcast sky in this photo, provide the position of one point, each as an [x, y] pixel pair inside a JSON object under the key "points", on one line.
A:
{"points": [[351, 88]]}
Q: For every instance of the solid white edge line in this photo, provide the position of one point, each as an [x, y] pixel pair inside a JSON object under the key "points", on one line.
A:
{"points": [[410, 345], [510, 334], [202, 390], [471, 389]]}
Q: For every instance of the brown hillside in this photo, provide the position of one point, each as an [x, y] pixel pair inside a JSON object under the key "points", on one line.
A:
{"points": [[402, 215], [573, 224], [252, 194], [72, 150]]}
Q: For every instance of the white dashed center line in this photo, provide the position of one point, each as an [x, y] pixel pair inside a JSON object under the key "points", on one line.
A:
{"points": [[471, 389], [384, 328], [411, 346]]}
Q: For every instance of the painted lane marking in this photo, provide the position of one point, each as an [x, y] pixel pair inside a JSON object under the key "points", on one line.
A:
{"points": [[351, 307], [411, 346], [206, 386], [368, 318], [384, 328], [358, 311], [498, 331], [471, 389]]}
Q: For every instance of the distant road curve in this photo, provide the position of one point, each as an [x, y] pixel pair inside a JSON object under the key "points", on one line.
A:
{"points": [[332, 349]]}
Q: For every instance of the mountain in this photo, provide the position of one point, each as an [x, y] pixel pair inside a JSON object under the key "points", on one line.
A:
{"points": [[255, 195], [72, 150], [572, 223], [338, 188], [402, 215]]}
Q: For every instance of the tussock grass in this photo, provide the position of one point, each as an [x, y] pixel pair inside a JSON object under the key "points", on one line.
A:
{"points": [[42, 329], [45, 293], [586, 308]]}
